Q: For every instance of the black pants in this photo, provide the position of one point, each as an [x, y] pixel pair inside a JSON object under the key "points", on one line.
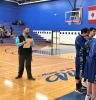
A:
{"points": [[25, 59]]}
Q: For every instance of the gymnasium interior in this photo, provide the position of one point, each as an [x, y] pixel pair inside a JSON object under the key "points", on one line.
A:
{"points": [[54, 25]]}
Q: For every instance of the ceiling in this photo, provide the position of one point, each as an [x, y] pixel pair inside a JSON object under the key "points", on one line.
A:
{"points": [[24, 1]]}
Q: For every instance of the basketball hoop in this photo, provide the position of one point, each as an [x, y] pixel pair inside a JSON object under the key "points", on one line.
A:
{"points": [[73, 17], [69, 22], [73, 22], [78, 23]]}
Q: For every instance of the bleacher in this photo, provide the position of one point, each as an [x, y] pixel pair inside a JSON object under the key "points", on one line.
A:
{"points": [[17, 30], [37, 38]]}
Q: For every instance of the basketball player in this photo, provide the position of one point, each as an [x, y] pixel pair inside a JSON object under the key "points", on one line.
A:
{"points": [[80, 57], [90, 68]]}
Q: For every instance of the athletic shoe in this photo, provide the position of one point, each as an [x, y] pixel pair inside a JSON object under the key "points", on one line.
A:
{"points": [[79, 91], [87, 97]]}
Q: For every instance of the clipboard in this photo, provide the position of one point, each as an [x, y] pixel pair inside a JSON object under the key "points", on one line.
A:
{"points": [[28, 43]]}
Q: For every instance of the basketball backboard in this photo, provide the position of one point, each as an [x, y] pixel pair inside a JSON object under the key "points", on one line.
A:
{"points": [[73, 17]]}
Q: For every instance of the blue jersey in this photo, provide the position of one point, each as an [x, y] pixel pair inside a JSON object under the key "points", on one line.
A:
{"points": [[80, 55], [91, 62], [79, 45], [88, 47], [92, 51]]}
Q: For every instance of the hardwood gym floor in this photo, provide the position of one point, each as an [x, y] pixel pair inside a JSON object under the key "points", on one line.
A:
{"points": [[54, 73]]}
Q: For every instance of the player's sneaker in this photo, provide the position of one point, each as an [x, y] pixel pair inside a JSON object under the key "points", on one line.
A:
{"points": [[87, 97]]}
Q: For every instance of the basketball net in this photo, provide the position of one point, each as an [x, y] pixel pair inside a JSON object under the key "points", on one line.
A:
{"points": [[73, 22], [70, 22]]}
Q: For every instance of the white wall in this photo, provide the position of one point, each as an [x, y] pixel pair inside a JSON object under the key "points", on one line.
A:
{"points": [[66, 37], [45, 34]]}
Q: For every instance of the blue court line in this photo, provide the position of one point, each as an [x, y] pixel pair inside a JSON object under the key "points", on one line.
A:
{"points": [[53, 51]]}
